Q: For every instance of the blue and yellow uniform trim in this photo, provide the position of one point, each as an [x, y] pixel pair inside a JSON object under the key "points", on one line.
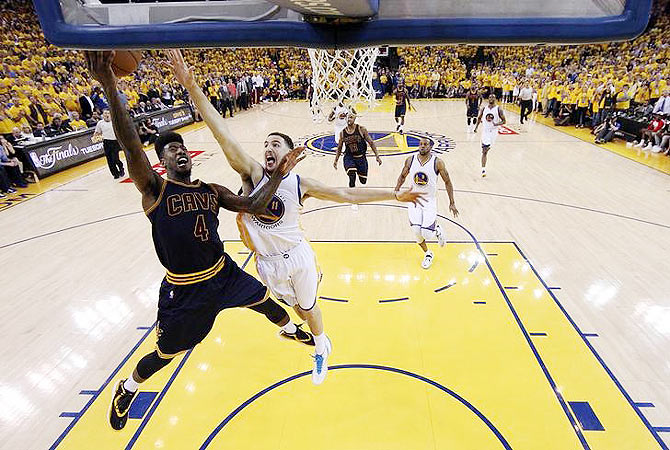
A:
{"points": [[196, 277]]}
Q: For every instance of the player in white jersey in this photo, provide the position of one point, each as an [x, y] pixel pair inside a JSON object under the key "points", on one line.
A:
{"points": [[339, 116], [285, 260], [493, 118], [423, 169]]}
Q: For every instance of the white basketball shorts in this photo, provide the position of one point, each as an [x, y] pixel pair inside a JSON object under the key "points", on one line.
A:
{"points": [[489, 136], [424, 215], [292, 276]]}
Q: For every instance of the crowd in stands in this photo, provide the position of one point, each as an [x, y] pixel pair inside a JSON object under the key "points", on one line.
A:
{"points": [[46, 92]]}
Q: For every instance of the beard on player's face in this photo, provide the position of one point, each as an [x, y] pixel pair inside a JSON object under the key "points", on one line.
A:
{"points": [[177, 160]]}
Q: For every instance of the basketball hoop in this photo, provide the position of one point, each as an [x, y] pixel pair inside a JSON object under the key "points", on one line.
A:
{"points": [[341, 76]]}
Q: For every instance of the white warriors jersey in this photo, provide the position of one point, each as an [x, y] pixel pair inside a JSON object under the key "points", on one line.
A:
{"points": [[341, 113], [269, 236], [424, 176], [486, 125]]}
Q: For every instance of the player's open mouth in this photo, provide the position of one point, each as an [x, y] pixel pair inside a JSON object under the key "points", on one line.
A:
{"points": [[269, 159], [182, 161]]}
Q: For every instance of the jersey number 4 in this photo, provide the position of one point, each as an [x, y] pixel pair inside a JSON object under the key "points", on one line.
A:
{"points": [[201, 230]]}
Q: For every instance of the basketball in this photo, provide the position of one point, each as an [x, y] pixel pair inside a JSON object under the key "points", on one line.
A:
{"points": [[125, 62]]}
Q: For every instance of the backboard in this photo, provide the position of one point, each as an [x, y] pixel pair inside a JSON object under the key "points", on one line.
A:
{"points": [[98, 24]]}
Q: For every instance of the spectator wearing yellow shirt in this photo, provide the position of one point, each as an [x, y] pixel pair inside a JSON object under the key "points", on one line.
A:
{"points": [[582, 106], [76, 123], [622, 98]]}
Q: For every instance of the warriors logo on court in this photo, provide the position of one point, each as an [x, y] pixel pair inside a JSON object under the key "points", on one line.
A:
{"points": [[276, 207], [420, 179], [388, 143]]}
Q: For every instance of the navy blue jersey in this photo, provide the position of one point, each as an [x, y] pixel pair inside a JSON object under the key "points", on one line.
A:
{"points": [[354, 143], [184, 225]]}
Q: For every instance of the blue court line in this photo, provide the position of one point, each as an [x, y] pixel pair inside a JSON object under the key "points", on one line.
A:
{"points": [[144, 328], [474, 266], [69, 414], [537, 334], [623, 391], [554, 288], [644, 405], [586, 416], [444, 287], [435, 384], [662, 429], [88, 392], [94, 397], [394, 300], [491, 254], [146, 419], [511, 287], [590, 334], [479, 303], [341, 300], [242, 253]]}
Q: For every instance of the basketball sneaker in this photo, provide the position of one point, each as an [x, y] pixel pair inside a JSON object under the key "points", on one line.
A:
{"points": [[300, 335], [427, 260], [320, 369], [440, 236], [118, 409]]}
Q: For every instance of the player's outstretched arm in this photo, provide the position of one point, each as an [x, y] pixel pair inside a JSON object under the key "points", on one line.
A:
{"points": [[258, 202], [442, 170], [403, 175], [147, 181], [316, 189], [331, 116], [372, 144], [238, 159]]}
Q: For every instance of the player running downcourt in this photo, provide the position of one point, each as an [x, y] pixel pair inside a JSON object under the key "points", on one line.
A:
{"points": [[423, 169], [493, 118]]}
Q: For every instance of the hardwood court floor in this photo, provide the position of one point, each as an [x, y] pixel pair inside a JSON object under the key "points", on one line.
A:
{"points": [[581, 233]]}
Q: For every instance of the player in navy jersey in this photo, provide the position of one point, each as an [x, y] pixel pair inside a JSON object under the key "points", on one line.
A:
{"points": [[201, 278], [355, 140], [401, 104]]}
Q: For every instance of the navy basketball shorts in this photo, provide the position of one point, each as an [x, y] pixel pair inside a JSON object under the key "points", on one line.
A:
{"points": [[400, 110], [360, 165], [186, 312], [473, 112]]}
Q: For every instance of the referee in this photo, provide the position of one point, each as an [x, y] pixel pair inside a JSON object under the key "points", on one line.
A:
{"points": [[526, 101], [111, 146]]}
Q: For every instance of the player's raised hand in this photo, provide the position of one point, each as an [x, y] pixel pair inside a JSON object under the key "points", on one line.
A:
{"points": [[291, 159], [409, 196], [99, 65], [182, 72], [452, 208]]}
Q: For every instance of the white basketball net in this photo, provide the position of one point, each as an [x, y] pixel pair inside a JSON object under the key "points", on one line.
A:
{"points": [[341, 76]]}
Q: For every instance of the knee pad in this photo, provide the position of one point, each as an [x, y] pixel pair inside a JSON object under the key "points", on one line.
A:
{"points": [[416, 229], [427, 234], [150, 364], [272, 310], [352, 178]]}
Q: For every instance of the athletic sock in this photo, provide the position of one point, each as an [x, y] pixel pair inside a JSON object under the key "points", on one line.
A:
{"points": [[130, 384], [289, 328], [320, 343]]}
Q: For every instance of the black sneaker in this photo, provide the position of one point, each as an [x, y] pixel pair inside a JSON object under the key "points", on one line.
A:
{"points": [[118, 409], [300, 335]]}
